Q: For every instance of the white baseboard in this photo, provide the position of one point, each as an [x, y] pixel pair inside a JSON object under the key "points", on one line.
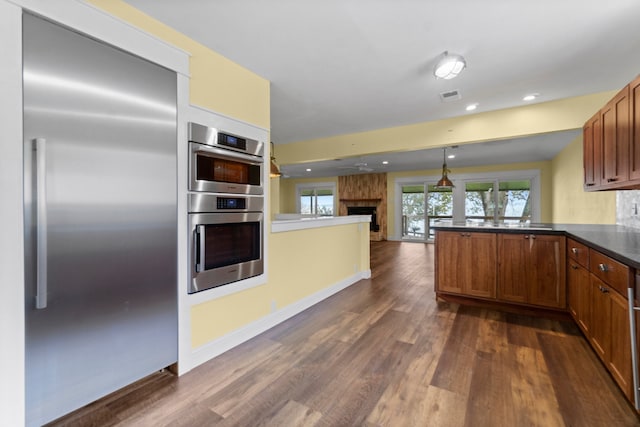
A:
{"points": [[215, 348]]}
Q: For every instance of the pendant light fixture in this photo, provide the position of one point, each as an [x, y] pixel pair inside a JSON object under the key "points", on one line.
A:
{"points": [[274, 169], [444, 183], [449, 66]]}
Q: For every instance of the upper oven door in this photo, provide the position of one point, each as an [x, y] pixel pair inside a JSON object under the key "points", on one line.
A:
{"points": [[218, 170]]}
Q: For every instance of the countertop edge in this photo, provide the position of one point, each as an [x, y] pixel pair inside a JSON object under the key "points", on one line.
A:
{"points": [[618, 242], [283, 225]]}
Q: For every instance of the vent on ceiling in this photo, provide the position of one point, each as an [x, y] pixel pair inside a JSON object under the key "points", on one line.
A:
{"points": [[452, 95]]}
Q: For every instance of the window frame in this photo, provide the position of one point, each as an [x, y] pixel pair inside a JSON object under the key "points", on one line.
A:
{"points": [[315, 186]]}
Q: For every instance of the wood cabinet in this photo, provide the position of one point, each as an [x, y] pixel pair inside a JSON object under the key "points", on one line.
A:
{"points": [[516, 268], [611, 143], [578, 284], [615, 139], [592, 152], [597, 286], [619, 360], [609, 334], [466, 263], [531, 269], [634, 117]]}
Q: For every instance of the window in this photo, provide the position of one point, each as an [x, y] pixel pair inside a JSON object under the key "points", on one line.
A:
{"points": [[316, 199], [439, 205], [512, 200], [413, 218], [509, 196]]}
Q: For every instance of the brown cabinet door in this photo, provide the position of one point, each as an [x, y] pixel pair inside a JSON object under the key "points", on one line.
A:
{"points": [[592, 152], [514, 268], [450, 257], [466, 263], [619, 361], [634, 114], [600, 317], [615, 139], [532, 269], [579, 299], [482, 252], [547, 286]]}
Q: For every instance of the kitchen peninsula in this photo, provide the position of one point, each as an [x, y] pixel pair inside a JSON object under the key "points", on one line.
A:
{"points": [[588, 271]]}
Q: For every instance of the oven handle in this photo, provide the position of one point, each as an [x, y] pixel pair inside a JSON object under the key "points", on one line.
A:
{"points": [[200, 240], [226, 154]]}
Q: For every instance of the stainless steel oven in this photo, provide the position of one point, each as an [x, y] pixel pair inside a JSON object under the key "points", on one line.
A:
{"points": [[221, 162], [226, 239]]}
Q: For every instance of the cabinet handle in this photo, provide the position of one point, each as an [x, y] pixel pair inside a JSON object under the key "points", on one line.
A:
{"points": [[574, 251], [573, 266], [612, 179], [603, 267], [603, 289], [590, 184], [526, 236]]}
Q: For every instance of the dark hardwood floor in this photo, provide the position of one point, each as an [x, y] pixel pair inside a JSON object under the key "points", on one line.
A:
{"points": [[384, 353]]}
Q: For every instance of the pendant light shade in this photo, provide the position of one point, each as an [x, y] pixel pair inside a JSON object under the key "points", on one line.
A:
{"points": [[444, 183], [449, 66], [274, 171]]}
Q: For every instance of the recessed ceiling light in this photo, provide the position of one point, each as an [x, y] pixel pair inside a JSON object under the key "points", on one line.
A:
{"points": [[308, 170], [531, 97], [451, 156], [472, 107], [385, 162]]}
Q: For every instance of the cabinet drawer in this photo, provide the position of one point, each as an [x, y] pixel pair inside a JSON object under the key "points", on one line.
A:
{"points": [[610, 271], [578, 252]]}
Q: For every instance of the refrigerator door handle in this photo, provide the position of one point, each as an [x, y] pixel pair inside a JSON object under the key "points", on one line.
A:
{"points": [[39, 145], [200, 240]]}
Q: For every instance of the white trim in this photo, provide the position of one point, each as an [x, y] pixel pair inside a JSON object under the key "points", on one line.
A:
{"points": [[315, 186], [96, 23], [215, 348], [12, 325], [228, 123]]}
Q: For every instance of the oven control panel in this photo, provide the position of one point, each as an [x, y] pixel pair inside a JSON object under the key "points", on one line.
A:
{"points": [[231, 203]]}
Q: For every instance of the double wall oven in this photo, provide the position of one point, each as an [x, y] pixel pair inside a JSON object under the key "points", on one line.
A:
{"points": [[226, 207]]}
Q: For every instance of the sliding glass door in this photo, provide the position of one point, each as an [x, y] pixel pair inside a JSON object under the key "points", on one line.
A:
{"points": [[421, 209]]}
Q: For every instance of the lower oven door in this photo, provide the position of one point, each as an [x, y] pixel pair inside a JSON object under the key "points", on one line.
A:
{"points": [[224, 248]]}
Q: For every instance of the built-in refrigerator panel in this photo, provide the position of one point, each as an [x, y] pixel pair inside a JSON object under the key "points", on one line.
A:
{"points": [[100, 218]]}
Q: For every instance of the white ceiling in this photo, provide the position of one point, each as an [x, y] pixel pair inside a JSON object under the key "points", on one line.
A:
{"points": [[344, 66]]}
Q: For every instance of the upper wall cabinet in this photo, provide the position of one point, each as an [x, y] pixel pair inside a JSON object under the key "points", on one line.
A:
{"points": [[611, 141]]}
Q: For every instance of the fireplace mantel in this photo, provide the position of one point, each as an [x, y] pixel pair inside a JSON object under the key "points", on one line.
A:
{"points": [[361, 200]]}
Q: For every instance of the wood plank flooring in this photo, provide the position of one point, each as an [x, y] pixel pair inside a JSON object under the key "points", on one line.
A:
{"points": [[384, 352]]}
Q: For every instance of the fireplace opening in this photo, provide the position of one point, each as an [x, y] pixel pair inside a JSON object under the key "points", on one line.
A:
{"points": [[365, 210]]}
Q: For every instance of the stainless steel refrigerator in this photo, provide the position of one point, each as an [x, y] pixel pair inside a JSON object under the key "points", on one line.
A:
{"points": [[100, 218]]}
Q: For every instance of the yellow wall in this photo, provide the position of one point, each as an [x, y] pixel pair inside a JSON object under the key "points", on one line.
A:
{"points": [[532, 119], [216, 83], [301, 263], [570, 203]]}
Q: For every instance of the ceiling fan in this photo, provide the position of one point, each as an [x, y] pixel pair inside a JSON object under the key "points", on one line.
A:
{"points": [[360, 167]]}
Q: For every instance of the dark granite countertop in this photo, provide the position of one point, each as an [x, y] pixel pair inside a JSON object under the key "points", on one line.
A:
{"points": [[618, 242]]}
